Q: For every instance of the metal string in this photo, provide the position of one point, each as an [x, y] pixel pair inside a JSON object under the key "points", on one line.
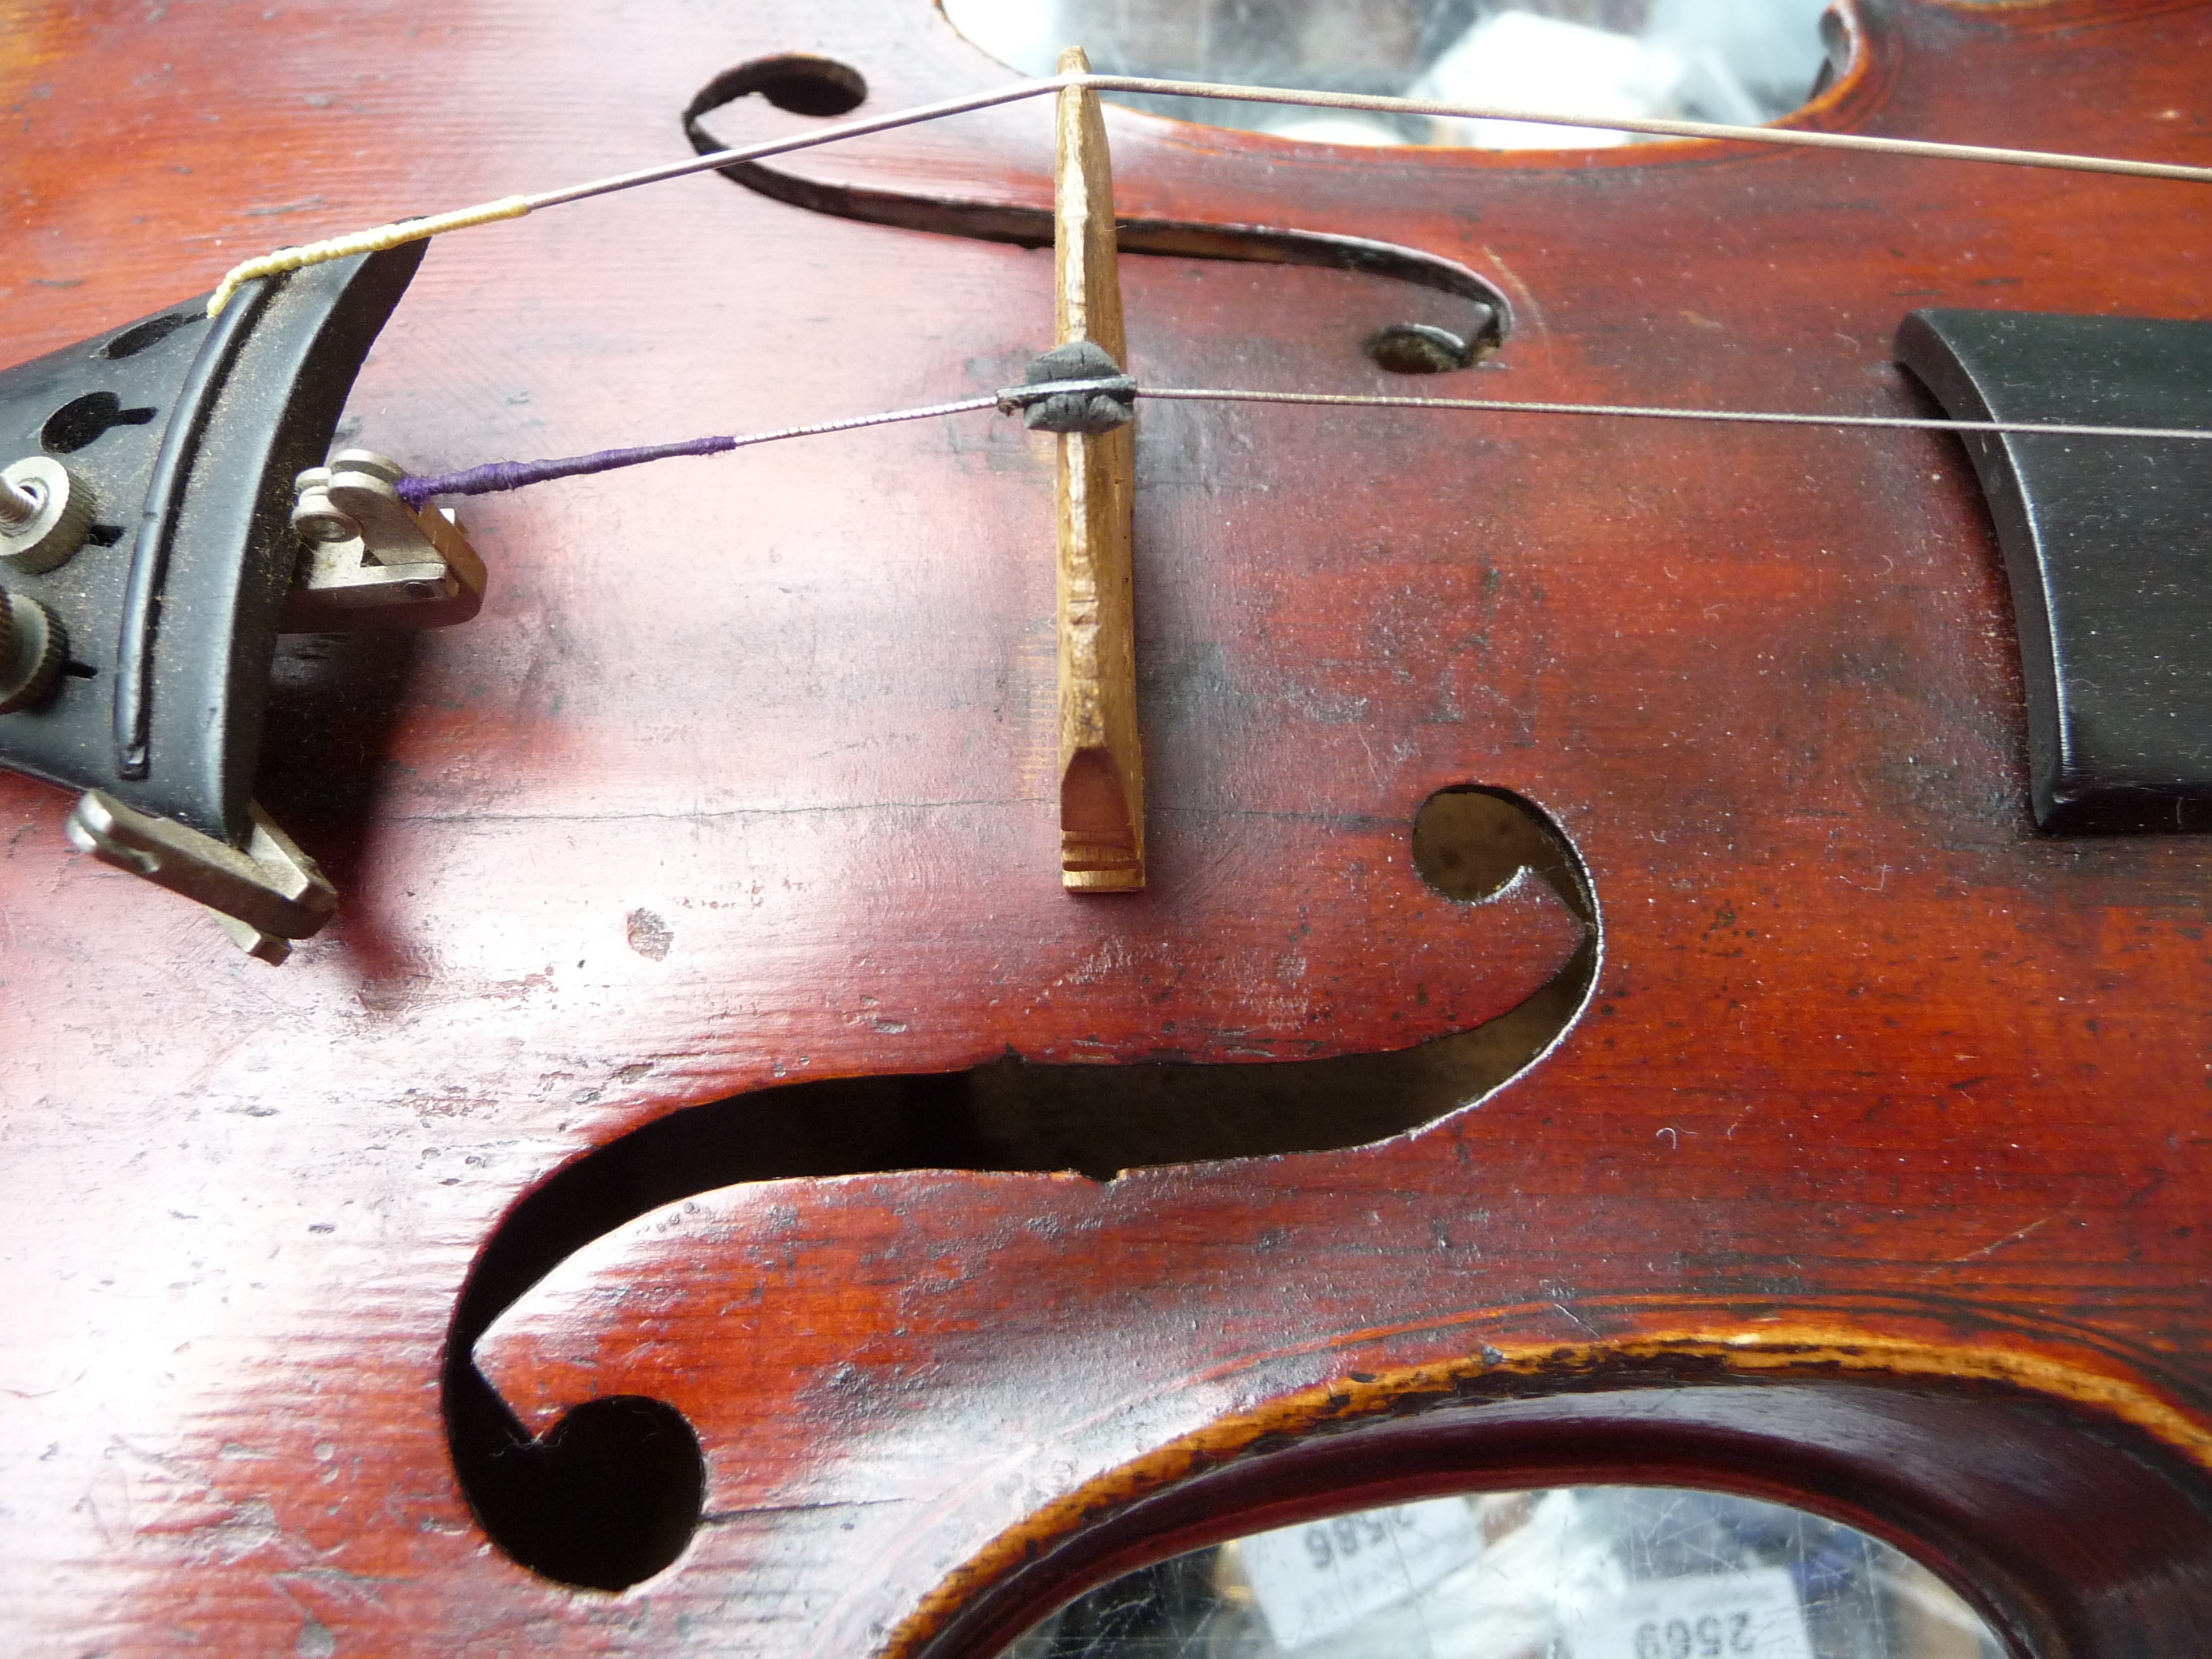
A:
{"points": [[1652, 412], [514, 207], [514, 475], [1799, 137], [496, 475]]}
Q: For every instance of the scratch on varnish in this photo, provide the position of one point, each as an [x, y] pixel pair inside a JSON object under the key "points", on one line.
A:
{"points": [[1992, 1248]]}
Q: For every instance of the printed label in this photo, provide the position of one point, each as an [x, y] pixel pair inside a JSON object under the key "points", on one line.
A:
{"points": [[1314, 1581], [1721, 1615]]}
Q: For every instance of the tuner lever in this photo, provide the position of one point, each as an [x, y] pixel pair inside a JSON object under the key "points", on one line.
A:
{"points": [[372, 560]]}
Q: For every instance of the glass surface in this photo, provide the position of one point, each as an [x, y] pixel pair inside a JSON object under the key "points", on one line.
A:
{"points": [[1573, 1572], [1740, 61]]}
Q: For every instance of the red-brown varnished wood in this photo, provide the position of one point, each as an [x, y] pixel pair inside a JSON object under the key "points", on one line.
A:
{"points": [[745, 775]]}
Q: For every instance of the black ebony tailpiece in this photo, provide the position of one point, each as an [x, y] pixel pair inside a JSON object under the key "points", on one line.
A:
{"points": [[149, 556]]}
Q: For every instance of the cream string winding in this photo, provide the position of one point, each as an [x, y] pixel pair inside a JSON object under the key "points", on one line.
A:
{"points": [[499, 476], [514, 207]]}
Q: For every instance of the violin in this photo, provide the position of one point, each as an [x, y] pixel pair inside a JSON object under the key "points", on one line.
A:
{"points": [[1626, 986]]}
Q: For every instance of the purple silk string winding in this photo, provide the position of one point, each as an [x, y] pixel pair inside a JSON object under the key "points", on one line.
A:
{"points": [[496, 475]]}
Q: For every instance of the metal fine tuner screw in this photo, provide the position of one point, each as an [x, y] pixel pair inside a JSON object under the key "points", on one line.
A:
{"points": [[44, 515], [34, 650]]}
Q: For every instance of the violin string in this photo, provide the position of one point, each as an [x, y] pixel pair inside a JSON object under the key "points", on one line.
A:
{"points": [[377, 238], [495, 477], [380, 237], [1655, 412], [499, 476], [1800, 138]]}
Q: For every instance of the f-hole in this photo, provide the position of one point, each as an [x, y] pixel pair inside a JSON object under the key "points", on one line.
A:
{"points": [[609, 1501], [804, 84]]}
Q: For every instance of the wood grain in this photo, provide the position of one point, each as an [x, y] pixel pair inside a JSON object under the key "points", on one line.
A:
{"points": [[716, 795]]}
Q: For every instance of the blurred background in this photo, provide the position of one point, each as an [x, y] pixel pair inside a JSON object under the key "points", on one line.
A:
{"points": [[1740, 61], [1570, 1572]]}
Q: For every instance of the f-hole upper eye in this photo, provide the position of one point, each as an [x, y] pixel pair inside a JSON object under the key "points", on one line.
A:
{"points": [[798, 83]]}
